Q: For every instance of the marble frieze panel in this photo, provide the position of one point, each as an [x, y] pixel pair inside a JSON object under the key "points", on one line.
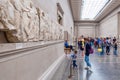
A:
{"points": [[23, 22]]}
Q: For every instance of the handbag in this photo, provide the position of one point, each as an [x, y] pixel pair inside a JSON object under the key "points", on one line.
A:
{"points": [[91, 51], [99, 49]]}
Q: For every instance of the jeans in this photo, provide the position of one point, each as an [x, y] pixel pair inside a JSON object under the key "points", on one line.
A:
{"points": [[102, 53], [107, 49], [74, 63], [87, 61], [115, 52]]}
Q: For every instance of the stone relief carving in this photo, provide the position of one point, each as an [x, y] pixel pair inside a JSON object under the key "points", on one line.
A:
{"points": [[46, 27], [53, 31], [42, 26], [29, 22], [23, 22], [7, 15]]}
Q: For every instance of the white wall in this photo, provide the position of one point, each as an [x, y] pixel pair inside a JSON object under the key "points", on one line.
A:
{"points": [[33, 64], [108, 27], [87, 31]]}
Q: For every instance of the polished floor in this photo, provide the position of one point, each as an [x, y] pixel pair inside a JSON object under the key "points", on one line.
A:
{"points": [[106, 67]]}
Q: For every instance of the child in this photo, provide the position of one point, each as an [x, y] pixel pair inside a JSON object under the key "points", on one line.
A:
{"points": [[74, 56]]}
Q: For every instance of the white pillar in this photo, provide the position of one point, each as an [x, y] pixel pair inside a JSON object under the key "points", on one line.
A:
{"points": [[97, 30], [118, 34]]}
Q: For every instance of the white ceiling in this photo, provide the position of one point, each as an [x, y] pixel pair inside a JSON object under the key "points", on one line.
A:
{"points": [[76, 9]]}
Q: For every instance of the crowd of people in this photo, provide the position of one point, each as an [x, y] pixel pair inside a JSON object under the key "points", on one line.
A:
{"points": [[87, 46]]}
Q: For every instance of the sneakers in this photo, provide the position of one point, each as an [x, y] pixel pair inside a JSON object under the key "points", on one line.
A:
{"points": [[86, 68], [90, 69]]}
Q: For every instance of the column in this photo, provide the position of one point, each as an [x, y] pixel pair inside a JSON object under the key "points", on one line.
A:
{"points": [[118, 34], [97, 31]]}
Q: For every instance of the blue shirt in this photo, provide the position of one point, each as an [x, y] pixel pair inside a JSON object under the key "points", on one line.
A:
{"points": [[66, 44]]}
